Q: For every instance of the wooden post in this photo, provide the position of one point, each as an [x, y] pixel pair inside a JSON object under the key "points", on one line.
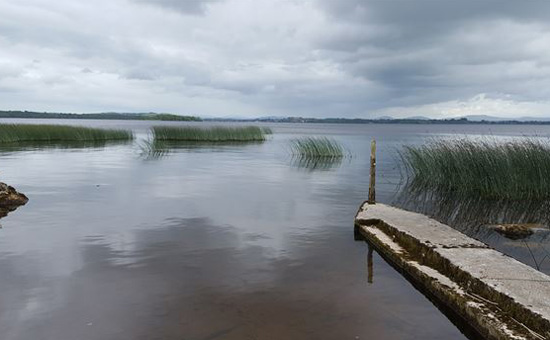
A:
{"points": [[372, 194]]}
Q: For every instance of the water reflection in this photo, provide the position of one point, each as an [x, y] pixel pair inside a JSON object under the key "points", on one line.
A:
{"points": [[472, 214], [5, 210], [274, 258], [370, 268], [152, 149], [190, 278], [481, 218], [467, 330], [6, 148], [316, 163]]}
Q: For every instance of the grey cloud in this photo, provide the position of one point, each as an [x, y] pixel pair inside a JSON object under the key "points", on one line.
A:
{"points": [[275, 57], [427, 13], [419, 24], [8, 70], [423, 23], [183, 6], [139, 75], [424, 51]]}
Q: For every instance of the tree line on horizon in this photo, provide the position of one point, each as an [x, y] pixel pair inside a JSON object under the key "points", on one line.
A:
{"points": [[103, 115], [174, 117]]}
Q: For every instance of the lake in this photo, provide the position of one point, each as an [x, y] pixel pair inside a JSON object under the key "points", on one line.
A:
{"points": [[234, 241]]}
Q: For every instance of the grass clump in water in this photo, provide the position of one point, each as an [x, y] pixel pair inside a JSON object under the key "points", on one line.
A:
{"points": [[153, 149], [517, 169], [317, 147], [16, 133], [212, 134]]}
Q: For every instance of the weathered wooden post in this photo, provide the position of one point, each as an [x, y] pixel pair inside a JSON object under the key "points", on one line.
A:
{"points": [[372, 194]]}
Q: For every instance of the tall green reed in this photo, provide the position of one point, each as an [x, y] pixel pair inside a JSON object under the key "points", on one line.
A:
{"points": [[317, 147], [14, 133], [211, 134], [517, 169]]}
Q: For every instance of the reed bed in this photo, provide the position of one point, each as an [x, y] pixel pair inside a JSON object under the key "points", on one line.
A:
{"points": [[212, 134], [16, 133], [512, 170], [317, 147]]}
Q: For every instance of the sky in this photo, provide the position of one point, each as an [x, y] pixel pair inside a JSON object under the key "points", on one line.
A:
{"points": [[255, 58]]}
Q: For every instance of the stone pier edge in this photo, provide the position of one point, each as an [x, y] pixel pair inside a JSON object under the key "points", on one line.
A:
{"points": [[491, 313]]}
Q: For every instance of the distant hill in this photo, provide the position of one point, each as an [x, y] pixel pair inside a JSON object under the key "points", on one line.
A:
{"points": [[474, 119], [418, 118], [103, 115], [479, 118], [534, 119], [382, 120], [406, 118]]}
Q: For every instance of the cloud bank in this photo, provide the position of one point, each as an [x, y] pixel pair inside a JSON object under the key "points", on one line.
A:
{"points": [[246, 58]]}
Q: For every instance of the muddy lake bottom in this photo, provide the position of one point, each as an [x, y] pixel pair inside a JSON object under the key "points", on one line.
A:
{"points": [[213, 241]]}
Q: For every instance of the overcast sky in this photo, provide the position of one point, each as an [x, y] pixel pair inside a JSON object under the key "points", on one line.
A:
{"points": [[248, 58]]}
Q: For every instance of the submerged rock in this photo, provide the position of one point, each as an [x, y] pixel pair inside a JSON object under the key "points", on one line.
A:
{"points": [[10, 199], [515, 231]]}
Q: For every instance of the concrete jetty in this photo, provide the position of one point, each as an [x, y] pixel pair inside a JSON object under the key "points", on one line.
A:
{"points": [[497, 295]]}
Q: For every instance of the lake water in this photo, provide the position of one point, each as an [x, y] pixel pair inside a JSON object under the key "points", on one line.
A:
{"points": [[210, 242]]}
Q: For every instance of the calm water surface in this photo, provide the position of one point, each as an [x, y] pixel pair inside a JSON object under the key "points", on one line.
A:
{"points": [[211, 242]]}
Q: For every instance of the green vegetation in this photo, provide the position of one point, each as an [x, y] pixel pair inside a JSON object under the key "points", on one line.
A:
{"points": [[212, 134], [317, 147], [316, 164], [511, 170], [103, 115], [153, 149], [16, 133], [60, 145], [168, 117]]}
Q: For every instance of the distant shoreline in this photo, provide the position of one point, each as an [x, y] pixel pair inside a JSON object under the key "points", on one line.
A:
{"points": [[104, 115], [455, 121], [151, 116]]}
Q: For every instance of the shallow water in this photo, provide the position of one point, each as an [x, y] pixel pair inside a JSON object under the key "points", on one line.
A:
{"points": [[211, 242]]}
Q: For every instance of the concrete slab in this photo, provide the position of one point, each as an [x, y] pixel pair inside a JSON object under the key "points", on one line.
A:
{"points": [[430, 234], [499, 296]]}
